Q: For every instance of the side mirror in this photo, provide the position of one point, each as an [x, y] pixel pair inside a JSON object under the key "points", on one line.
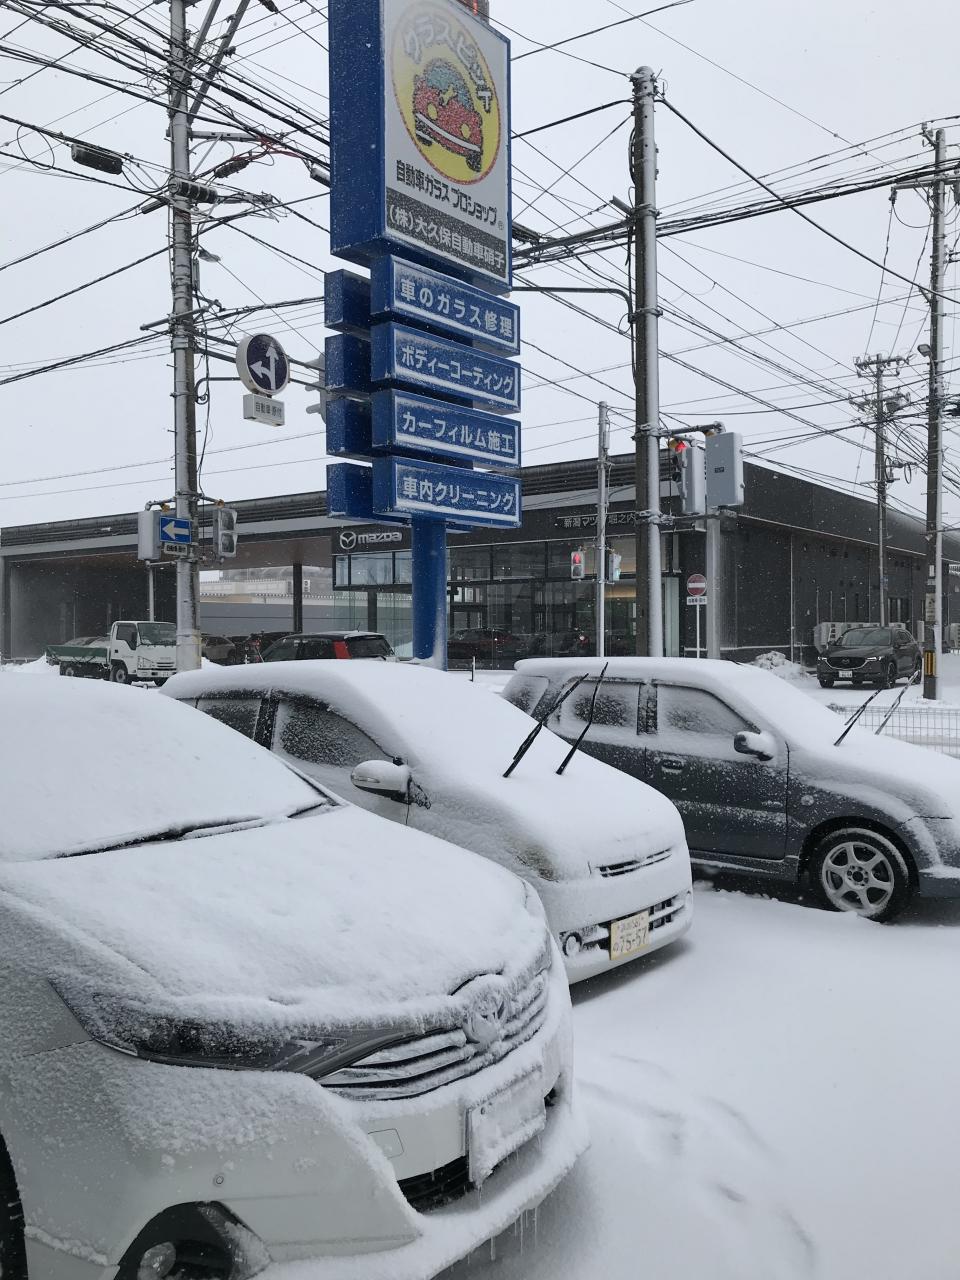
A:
{"points": [[382, 778], [760, 745]]}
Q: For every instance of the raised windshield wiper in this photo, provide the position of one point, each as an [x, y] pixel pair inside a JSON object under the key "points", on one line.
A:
{"points": [[856, 715], [586, 728], [914, 679], [531, 737]]}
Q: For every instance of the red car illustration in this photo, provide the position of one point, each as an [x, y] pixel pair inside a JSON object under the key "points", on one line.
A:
{"points": [[444, 113]]}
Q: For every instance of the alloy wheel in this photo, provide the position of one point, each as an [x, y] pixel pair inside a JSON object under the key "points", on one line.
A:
{"points": [[859, 876]]}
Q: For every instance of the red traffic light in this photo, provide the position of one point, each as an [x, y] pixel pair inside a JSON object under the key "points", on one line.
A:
{"points": [[479, 8]]}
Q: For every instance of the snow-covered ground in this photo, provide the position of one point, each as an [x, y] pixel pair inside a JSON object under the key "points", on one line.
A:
{"points": [[773, 1098]]}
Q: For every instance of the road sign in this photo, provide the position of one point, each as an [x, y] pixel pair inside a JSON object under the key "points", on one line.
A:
{"points": [[416, 424], [179, 550], [696, 600], [262, 364], [409, 292], [401, 354], [420, 135], [258, 408], [176, 531], [696, 585], [428, 489]]}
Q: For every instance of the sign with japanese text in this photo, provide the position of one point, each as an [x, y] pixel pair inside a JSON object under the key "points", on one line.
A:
{"points": [[416, 424], [428, 489], [417, 359], [420, 120], [409, 292]]}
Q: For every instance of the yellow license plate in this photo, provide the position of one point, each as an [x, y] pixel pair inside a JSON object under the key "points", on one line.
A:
{"points": [[629, 935]]}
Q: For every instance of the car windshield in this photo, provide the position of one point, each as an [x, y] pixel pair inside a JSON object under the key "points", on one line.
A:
{"points": [[157, 633], [865, 637]]}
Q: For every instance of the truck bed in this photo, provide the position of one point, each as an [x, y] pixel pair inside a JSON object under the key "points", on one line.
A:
{"points": [[78, 654]]}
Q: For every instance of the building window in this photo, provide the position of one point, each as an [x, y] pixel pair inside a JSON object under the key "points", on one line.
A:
{"points": [[899, 607], [403, 568], [372, 570], [470, 564], [341, 571], [523, 560]]}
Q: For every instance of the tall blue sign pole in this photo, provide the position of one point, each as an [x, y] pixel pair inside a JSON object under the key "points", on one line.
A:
{"points": [[419, 374]]}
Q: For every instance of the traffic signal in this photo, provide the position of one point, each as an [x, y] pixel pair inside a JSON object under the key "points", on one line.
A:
{"points": [[576, 565], [616, 560], [687, 471], [224, 533], [479, 8]]}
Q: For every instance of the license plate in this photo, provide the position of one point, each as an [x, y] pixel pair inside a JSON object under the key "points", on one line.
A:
{"points": [[629, 935], [497, 1127]]}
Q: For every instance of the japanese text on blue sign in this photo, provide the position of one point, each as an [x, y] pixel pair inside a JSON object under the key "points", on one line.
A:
{"points": [[415, 293], [408, 356], [423, 488], [415, 422]]}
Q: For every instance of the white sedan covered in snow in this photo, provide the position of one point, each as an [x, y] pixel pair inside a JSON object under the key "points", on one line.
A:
{"points": [[243, 1023], [606, 854]]}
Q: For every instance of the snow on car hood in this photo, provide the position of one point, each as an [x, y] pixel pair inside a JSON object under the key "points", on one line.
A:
{"points": [[459, 738], [338, 917], [85, 764]]}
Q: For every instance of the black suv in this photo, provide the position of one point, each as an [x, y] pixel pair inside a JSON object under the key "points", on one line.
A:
{"points": [[878, 655]]}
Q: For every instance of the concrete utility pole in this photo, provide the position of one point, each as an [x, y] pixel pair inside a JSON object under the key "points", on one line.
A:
{"points": [[933, 604], [603, 469], [877, 406], [181, 341], [645, 321]]}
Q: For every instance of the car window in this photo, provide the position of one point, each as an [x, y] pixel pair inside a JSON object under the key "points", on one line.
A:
{"points": [[239, 713], [905, 637], [315, 647], [526, 691], [696, 714], [615, 711], [126, 634], [311, 732], [282, 651], [368, 647], [866, 637]]}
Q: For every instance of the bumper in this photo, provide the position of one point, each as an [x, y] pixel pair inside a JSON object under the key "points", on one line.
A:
{"points": [[869, 671], [588, 907], [309, 1176]]}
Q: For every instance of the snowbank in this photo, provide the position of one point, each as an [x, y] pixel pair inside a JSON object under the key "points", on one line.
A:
{"points": [[778, 665]]}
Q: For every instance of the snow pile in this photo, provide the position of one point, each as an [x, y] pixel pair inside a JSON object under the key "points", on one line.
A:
{"points": [[779, 665], [39, 667]]}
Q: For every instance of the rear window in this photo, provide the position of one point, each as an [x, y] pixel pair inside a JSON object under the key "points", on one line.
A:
{"points": [[315, 647], [368, 647], [237, 713]]}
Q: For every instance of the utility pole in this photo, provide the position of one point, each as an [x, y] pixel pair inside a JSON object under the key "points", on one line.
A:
{"points": [[933, 602], [181, 341], [877, 406], [603, 466], [645, 322]]}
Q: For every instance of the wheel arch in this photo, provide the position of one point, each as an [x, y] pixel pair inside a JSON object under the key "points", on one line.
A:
{"points": [[827, 827]]}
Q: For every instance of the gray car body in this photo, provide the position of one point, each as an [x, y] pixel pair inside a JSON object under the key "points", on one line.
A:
{"points": [[762, 817], [870, 663]]}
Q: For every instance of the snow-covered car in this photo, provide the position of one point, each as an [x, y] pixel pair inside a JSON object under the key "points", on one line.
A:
{"points": [[764, 788], [606, 855], [243, 1023]]}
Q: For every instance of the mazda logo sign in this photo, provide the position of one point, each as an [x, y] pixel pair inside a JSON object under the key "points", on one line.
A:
{"points": [[348, 540]]}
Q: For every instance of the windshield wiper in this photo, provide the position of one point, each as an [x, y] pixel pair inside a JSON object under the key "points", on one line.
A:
{"points": [[856, 716], [914, 679], [193, 831], [531, 737], [586, 728]]}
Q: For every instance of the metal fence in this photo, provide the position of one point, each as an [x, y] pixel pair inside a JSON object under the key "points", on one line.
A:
{"points": [[935, 727]]}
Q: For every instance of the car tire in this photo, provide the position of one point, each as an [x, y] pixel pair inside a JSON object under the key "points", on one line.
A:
{"points": [[119, 674], [862, 871], [13, 1254], [890, 676], [826, 682], [158, 684]]}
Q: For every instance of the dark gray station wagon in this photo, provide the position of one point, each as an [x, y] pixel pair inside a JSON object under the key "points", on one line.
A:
{"points": [[752, 764]]}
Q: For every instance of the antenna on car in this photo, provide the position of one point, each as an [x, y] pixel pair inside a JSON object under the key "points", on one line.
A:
{"points": [[586, 728], [529, 740]]}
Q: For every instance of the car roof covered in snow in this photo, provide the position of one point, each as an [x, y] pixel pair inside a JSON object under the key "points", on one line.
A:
{"points": [[85, 764]]}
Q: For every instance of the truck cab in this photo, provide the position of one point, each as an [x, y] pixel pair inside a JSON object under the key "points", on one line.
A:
{"points": [[142, 651]]}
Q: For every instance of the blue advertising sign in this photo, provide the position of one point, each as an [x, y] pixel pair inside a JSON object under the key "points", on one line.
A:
{"points": [[409, 292], [420, 136], [415, 424], [412, 488], [410, 357]]}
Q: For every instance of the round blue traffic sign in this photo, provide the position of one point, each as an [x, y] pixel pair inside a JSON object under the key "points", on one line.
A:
{"points": [[262, 364]]}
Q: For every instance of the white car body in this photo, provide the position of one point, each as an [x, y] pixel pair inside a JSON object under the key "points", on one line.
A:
{"points": [[357, 1041], [599, 847]]}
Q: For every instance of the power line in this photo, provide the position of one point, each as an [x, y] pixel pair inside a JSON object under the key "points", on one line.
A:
{"points": [[558, 44]]}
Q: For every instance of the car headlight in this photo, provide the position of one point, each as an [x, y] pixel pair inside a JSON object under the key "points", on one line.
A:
{"points": [[119, 1023], [144, 662]]}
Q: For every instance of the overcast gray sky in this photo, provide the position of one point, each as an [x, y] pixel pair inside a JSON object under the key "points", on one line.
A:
{"points": [[856, 71]]}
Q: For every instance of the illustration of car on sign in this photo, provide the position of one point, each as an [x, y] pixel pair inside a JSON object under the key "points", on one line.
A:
{"points": [[445, 114]]}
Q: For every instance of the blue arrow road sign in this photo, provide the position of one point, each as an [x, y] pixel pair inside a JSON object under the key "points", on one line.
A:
{"points": [[173, 530], [409, 356], [428, 489], [262, 364], [416, 424]]}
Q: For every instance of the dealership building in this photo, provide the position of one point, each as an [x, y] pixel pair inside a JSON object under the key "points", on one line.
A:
{"points": [[798, 553]]}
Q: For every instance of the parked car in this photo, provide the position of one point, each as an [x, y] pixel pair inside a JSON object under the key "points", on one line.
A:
{"points": [[242, 1022], [256, 645], [330, 644], [220, 649], [477, 644], [880, 655], [763, 786], [429, 750]]}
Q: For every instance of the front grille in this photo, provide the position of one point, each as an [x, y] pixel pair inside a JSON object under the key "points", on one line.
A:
{"points": [[441, 1057], [664, 912], [849, 664], [634, 864], [433, 1190]]}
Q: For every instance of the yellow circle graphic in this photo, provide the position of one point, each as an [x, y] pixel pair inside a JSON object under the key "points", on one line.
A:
{"points": [[446, 93]]}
